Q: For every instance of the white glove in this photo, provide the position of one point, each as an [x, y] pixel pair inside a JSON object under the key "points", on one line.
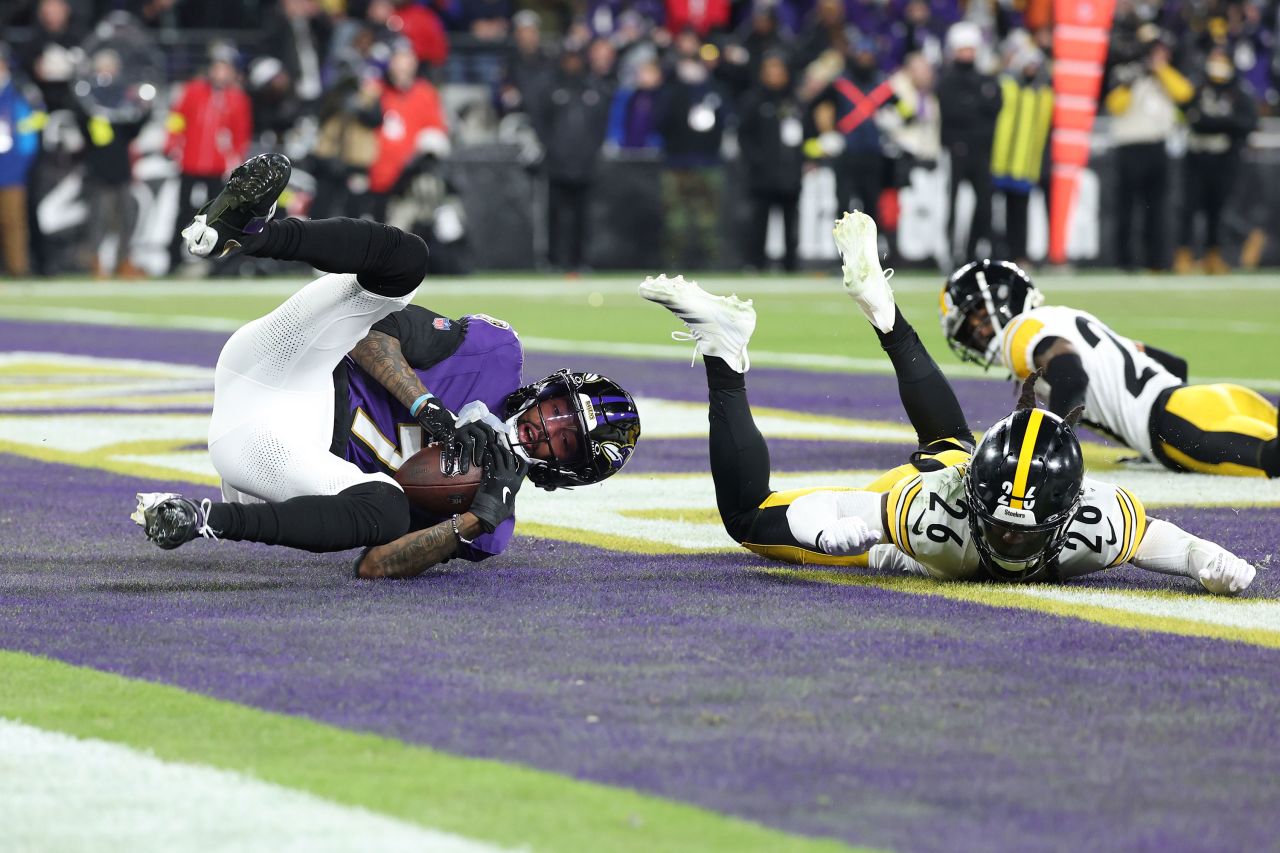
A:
{"points": [[848, 536], [200, 238], [1226, 575]]}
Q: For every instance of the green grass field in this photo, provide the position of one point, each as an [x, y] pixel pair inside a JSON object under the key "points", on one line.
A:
{"points": [[1225, 327]]}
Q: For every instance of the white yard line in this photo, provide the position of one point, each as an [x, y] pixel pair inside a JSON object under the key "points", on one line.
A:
{"points": [[1245, 614], [63, 793]]}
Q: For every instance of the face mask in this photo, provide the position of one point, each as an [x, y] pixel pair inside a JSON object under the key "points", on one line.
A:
{"points": [[1219, 71]]}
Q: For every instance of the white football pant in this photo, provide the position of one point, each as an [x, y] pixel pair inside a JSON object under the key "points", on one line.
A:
{"points": [[273, 392]]}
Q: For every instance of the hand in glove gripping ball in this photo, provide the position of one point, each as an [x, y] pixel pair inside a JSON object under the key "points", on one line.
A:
{"points": [[504, 472], [467, 443]]}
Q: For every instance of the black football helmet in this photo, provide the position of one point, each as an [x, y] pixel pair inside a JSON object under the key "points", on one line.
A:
{"points": [[608, 427], [1023, 486], [1001, 288]]}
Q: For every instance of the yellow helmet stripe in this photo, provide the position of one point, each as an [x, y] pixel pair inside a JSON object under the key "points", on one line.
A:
{"points": [[1024, 458]]}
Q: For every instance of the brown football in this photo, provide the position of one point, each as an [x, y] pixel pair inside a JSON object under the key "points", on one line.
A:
{"points": [[429, 488]]}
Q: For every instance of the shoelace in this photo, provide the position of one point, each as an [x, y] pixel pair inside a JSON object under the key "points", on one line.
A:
{"points": [[684, 337], [204, 529]]}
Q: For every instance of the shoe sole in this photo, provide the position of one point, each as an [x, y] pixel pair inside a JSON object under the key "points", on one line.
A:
{"points": [[260, 178]]}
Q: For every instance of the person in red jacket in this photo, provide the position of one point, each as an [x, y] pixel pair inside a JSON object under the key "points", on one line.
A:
{"points": [[412, 123], [209, 130], [701, 16], [415, 22]]}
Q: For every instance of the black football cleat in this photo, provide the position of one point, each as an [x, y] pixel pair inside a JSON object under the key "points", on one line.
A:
{"points": [[245, 206], [171, 520]]}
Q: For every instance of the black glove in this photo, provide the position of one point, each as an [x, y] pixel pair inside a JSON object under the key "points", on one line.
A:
{"points": [[436, 419], [495, 500], [472, 441], [466, 444]]}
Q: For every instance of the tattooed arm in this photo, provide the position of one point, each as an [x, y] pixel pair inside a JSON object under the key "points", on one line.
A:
{"points": [[380, 356], [415, 552]]}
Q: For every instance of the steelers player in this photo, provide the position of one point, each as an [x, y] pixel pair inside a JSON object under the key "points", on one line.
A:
{"points": [[1134, 393], [1015, 508]]}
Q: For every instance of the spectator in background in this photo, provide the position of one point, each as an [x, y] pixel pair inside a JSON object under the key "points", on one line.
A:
{"points": [[1221, 115], [843, 117], [487, 20], [298, 35], [823, 31], [350, 115], [570, 122], [18, 141], [111, 116], [701, 16], [209, 130], [1022, 133], [970, 101], [420, 25], [918, 29], [692, 113], [530, 69], [771, 135], [276, 102], [1144, 105], [915, 125], [633, 119], [609, 18], [602, 59], [758, 37], [412, 122], [49, 58]]}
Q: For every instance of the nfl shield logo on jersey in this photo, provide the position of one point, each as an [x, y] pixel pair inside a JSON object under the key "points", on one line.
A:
{"points": [[442, 323]]}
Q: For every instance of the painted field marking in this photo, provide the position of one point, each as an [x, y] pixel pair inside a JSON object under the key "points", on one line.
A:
{"points": [[1253, 621], [58, 792], [504, 803]]}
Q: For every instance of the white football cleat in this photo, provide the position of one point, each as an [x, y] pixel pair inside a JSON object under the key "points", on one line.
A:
{"points": [[721, 325], [864, 280]]}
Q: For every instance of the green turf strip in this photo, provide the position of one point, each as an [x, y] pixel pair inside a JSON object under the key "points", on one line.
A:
{"points": [[1224, 327], [480, 799]]}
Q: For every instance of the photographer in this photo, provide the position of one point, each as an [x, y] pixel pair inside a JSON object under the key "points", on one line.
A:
{"points": [[1221, 115], [1144, 101]]}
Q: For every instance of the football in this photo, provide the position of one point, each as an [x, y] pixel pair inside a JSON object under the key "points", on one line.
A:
{"points": [[431, 489]]}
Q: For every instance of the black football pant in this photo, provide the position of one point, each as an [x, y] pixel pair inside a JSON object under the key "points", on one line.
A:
{"points": [[388, 262], [740, 456]]}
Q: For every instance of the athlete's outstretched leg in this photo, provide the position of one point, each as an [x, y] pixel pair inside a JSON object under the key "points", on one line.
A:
{"points": [[927, 396], [739, 454], [722, 326], [1217, 429]]}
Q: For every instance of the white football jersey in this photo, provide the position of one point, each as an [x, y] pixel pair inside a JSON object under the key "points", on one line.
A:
{"points": [[928, 522], [1123, 380]]}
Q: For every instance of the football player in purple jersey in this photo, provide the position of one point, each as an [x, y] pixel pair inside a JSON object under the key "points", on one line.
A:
{"points": [[318, 403]]}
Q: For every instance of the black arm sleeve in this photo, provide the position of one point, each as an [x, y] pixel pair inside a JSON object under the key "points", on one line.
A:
{"points": [[1170, 362], [426, 338], [1067, 382]]}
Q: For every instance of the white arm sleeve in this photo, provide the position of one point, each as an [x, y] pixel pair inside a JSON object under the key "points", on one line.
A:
{"points": [[809, 515], [1169, 549]]}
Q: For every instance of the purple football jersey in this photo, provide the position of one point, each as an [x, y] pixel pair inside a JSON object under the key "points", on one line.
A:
{"points": [[486, 367]]}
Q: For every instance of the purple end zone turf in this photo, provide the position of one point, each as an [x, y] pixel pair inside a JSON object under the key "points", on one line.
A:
{"points": [[883, 718]]}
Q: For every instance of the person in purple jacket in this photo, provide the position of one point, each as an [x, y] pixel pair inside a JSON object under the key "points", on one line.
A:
{"points": [[318, 403]]}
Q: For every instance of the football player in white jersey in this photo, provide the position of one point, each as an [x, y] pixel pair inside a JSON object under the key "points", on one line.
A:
{"points": [[1016, 508], [1133, 392]]}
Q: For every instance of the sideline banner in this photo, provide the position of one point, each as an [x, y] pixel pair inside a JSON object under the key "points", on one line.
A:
{"points": [[1080, 38]]}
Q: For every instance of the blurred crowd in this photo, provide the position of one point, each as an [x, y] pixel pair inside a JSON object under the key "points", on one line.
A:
{"points": [[372, 97]]}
